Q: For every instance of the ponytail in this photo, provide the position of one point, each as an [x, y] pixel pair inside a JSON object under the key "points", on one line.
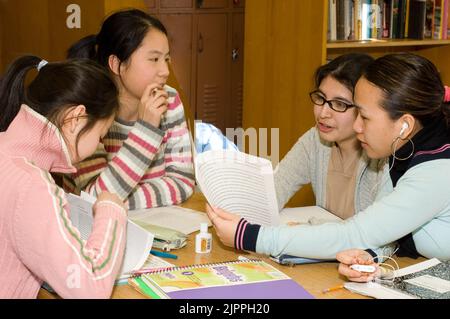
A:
{"points": [[84, 49], [446, 106], [12, 89]]}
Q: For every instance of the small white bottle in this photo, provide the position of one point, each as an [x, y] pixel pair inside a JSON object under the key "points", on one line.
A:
{"points": [[203, 240]]}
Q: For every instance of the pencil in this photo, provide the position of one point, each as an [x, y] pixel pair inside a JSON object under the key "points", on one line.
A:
{"points": [[332, 289]]}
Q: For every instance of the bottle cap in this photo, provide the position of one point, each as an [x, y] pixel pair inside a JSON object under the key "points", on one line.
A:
{"points": [[204, 227]]}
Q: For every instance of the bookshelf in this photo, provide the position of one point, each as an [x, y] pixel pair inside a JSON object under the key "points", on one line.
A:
{"points": [[384, 43], [285, 41], [438, 51]]}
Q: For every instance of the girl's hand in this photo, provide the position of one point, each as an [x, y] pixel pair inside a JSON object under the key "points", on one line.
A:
{"points": [[153, 104], [224, 223], [360, 257]]}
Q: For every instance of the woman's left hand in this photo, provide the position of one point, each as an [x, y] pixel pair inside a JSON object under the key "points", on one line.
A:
{"points": [[224, 223], [356, 256]]}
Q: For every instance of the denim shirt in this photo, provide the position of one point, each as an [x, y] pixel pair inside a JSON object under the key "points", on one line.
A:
{"points": [[208, 137]]}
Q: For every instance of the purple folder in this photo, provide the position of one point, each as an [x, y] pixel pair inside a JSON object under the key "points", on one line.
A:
{"points": [[275, 289]]}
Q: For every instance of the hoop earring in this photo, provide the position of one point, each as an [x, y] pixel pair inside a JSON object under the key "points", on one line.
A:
{"points": [[394, 146]]}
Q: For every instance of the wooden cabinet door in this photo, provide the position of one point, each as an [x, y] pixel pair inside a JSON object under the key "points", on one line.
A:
{"points": [[237, 70], [150, 4], [210, 4], [239, 3], [180, 29], [176, 4], [212, 69]]}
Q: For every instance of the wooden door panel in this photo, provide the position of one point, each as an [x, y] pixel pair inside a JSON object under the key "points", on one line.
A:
{"points": [[176, 3], [212, 78], [237, 70], [150, 3], [210, 4], [179, 28], [239, 3]]}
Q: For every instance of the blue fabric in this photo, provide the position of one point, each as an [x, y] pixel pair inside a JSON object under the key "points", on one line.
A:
{"points": [[208, 137]]}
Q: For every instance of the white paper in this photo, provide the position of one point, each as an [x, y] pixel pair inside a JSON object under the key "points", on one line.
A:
{"points": [[417, 267], [139, 241], [178, 218], [239, 183], [376, 290]]}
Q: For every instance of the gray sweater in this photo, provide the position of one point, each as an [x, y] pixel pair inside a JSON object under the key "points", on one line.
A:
{"points": [[307, 162]]}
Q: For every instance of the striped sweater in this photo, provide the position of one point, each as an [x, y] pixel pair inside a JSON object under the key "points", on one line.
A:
{"points": [[37, 240], [146, 166]]}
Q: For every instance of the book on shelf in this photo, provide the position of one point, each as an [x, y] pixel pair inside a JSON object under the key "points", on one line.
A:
{"points": [[241, 279], [429, 19], [445, 13], [426, 280], [388, 19], [407, 17], [332, 23], [417, 19], [448, 17], [440, 29]]}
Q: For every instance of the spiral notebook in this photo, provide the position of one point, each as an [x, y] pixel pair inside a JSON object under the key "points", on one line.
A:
{"points": [[241, 279]]}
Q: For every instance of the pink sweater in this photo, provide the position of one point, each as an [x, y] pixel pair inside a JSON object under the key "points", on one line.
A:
{"points": [[37, 240]]}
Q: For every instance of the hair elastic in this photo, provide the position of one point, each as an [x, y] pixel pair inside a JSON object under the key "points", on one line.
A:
{"points": [[447, 94], [41, 65]]}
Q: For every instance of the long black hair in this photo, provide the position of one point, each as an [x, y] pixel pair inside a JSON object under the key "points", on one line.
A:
{"points": [[410, 84], [57, 87], [121, 34]]}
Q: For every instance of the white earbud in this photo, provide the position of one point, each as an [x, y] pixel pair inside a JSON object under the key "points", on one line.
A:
{"points": [[405, 126]]}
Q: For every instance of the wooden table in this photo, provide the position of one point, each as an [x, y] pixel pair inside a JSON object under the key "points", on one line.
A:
{"points": [[313, 277]]}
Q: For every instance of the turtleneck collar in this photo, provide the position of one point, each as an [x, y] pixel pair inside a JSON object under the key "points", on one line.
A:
{"points": [[32, 136], [431, 137]]}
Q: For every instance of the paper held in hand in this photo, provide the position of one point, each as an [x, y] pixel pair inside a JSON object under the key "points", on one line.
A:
{"points": [[244, 184]]}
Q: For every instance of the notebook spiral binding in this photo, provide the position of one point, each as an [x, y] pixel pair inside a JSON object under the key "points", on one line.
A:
{"points": [[187, 267]]}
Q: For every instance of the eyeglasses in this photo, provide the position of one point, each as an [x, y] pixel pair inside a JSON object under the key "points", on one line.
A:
{"points": [[335, 105]]}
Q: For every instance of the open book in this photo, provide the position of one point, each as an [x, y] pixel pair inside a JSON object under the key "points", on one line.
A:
{"points": [[244, 184], [139, 241], [427, 280]]}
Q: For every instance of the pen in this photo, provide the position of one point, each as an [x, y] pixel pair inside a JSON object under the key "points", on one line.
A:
{"points": [[332, 289], [163, 254]]}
